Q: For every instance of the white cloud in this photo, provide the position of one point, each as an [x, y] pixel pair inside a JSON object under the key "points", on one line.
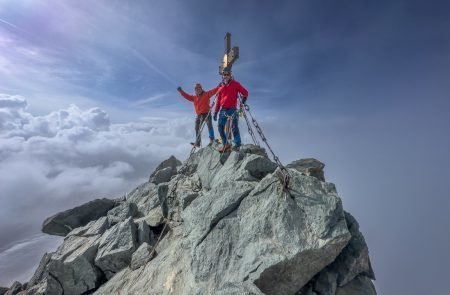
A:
{"points": [[56, 161]]}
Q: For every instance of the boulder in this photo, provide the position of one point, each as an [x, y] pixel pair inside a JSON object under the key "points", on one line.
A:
{"points": [[309, 167], [47, 286], [62, 223], [354, 259], [361, 285], [72, 265], [163, 175], [154, 218], [40, 271], [165, 170], [116, 246], [145, 196], [142, 256], [122, 212], [15, 288], [93, 228], [144, 234]]}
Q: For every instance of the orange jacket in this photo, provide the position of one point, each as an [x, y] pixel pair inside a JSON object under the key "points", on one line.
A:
{"points": [[201, 102]]}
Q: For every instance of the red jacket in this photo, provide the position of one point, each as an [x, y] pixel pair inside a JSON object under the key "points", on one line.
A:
{"points": [[201, 102], [228, 95]]}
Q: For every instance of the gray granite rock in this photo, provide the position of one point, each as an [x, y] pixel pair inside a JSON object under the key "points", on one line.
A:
{"points": [[144, 234], [3, 290], [62, 223], [229, 230], [310, 167], [142, 256], [165, 170], [93, 228], [72, 265], [115, 247], [15, 288], [122, 212], [361, 285]]}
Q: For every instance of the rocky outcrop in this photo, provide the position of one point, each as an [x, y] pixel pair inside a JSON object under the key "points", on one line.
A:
{"points": [[223, 226], [116, 247], [62, 223], [310, 167], [15, 288], [3, 290], [142, 256], [165, 170]]}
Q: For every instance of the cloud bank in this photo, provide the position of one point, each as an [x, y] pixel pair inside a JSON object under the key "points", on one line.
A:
{"points": [[56, 161]]}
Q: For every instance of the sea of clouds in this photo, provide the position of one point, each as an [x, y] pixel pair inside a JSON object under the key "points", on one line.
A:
{"points": [[52, 162]]}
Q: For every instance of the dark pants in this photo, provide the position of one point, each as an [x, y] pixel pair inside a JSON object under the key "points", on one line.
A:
{"points": [[198, 123], [223, 117]]}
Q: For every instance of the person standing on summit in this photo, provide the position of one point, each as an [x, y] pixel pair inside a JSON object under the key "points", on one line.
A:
{"points": [[227, 98], [201, 105]]}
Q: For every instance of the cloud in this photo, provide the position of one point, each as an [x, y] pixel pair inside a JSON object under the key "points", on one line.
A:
{"points": [[64, 158]]}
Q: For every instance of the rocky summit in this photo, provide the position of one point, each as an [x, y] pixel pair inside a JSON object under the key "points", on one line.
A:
{"points": [[217, 224]]}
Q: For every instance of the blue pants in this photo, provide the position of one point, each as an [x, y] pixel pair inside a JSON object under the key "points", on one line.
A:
{"points": [[223, 116]]}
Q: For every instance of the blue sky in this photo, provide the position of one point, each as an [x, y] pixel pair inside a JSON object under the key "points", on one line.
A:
{"points": [[88, 107]]}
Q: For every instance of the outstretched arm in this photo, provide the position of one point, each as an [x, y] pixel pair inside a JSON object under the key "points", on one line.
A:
{"points": [[212, 91], [185, 95]]}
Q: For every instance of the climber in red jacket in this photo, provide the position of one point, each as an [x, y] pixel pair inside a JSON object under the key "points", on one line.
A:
{"points": [[201, 105], [227, 98]]}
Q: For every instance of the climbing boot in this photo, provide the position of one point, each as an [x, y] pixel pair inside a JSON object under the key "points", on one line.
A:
{"points": [[225, 148]]}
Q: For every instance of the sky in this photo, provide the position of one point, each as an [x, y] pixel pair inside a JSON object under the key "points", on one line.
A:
{"points": [[89, 107]]}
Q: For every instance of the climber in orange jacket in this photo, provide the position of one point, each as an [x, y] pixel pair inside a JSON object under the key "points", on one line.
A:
{"points": [[201, 105], [226, 102]]}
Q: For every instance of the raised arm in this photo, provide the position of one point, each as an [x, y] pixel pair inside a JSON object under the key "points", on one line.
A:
{"points": [[212, 91], [185, 95]]}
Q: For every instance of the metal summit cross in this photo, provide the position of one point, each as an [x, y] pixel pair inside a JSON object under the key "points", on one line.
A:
{"points": [[230, 56]]}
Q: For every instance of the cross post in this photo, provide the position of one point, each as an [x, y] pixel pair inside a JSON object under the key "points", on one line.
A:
{"points": [[230, 55]]}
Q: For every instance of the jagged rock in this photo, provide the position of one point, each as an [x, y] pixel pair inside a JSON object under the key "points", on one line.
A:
{"points": [[15, 288], [310, 228], [165, 170], [122, 212], [142, 256], [145, 196], [234, 166], [93, 228], [361, 285], [354, 259], [351, 262], [310, 167], [47, 286], [205, 212], [116, 246], [62, 223], [40, 271], [3, 290], [326, 283], [163, 175], [229, 230], [72, 265], [155, 217], [144, 234], [187, 198], [253, 149]]}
